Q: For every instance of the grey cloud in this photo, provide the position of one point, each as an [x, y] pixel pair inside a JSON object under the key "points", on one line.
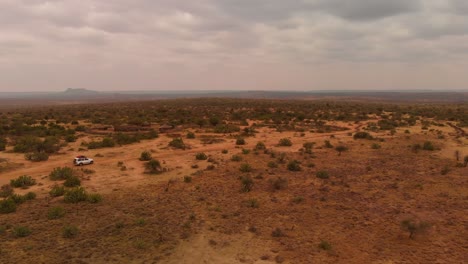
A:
{"points": [[367, 10]]}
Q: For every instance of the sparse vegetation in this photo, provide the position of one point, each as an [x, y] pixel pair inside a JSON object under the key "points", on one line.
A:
{"points": [[56, 212], [322, 174], [145, 156], [285, 142], [414, 227], [24, 182]]}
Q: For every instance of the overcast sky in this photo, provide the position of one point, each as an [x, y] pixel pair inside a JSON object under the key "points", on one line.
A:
{"points": [[233, 44]]}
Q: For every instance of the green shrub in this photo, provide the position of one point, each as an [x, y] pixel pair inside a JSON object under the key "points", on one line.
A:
{"points": [[225, 151], [322, 174], [55, 213], [21, 231], [236, 158], [260, 146], [145, 156], [7, 206], [70, 138], [362, 135], [294, 165], [245, 168], [279, 183], [70, 231], [253, 203], [57, 191], [6, 190], [272, 164], [153, 167], [177, 143], [240, 141], [75, 195], [375, 146], [18, 199], [72, 181], [328, 144], [30, 196], [190, 135], [245, 151], [36, 156], [201, 156], [3, 143], [285, 142], [428, 146], [61, 173], [247, 183], [187, 179], [325, 245], [298, 199], [94, 198]]}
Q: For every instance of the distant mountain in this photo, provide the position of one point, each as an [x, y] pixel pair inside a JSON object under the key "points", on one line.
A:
{"points": [[80, 91]]}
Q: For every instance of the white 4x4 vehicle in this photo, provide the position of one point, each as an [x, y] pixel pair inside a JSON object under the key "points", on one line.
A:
{"points": [[82, 160]]}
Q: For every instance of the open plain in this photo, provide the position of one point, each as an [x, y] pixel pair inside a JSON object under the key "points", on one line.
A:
{"points": [[236, 181]]}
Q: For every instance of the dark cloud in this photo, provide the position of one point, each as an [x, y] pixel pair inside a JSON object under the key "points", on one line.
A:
{"points": [[368, 10]]}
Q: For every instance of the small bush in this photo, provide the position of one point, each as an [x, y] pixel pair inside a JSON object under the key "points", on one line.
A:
{"points": [[298, 199], [414, 227], [36, 156], [253, 203], [55, 213], [236, 158], [70, 231], [428, 146], [245, 151], [57, 191], [340, 149], [240, 141], [285, 142], [177, 143], [322, 174], [187, 179], [279, 183], [247, 183], [272, 164], [325, 245], [375, 146], [362, 135], [18, 199], [190, 135], [30, 196], [328, 144], [61, 173], [445, 170], [260, 146], [75, 195], [21, 231], [6, 190], [94, 198], [201, 156], [153, 167], [145, 156], [245, 168], [7, 206], [23, 182], [225, 151], [277, 232], [294, 165], [72, 181]]}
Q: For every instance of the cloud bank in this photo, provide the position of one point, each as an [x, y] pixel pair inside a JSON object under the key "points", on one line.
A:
{"points": [[233, 44]]}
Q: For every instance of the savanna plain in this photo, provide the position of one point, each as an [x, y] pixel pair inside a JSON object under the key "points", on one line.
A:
{"points": [[234, 181]]}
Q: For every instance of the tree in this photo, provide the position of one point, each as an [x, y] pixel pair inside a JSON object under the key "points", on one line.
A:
{"points": [[340, 149]]}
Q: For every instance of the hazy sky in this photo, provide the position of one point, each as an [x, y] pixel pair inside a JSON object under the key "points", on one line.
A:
{"points": [[233, 44]]}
